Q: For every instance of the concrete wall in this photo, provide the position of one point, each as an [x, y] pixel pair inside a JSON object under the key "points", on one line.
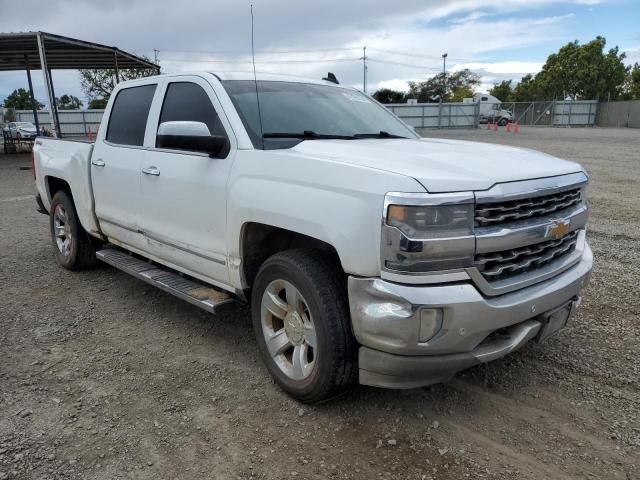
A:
{"points": [[619, 114]]}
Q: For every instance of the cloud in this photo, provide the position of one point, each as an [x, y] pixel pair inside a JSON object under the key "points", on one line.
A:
{"points": [[633, 55], [210, 34], [395, 84], [503, 68]]}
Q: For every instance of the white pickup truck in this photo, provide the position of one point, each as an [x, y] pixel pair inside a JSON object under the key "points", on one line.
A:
{"points": [[367, 253]]}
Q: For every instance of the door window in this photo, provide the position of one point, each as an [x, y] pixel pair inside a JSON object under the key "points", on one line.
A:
{"points": [[128, 119], [186, 101]]}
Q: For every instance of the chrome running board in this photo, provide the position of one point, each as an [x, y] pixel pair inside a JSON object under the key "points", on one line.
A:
{"points": [[194, 292]]}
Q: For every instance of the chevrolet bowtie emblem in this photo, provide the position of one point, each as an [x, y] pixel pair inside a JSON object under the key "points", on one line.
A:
{"points": [[558, 230]]}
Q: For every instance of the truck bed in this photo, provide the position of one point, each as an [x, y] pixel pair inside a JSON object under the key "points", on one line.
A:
{"points": [[68, 161]]}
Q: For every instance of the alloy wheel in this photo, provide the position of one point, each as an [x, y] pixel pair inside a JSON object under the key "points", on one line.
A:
{"points": [[288, 329]]}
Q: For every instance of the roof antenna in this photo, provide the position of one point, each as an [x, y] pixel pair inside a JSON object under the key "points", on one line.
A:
{"points": [[255, 78], [331, 78]]}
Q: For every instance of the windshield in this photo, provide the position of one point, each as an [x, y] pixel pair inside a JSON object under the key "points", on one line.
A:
{"points": [[292, 112], [25, 125]]}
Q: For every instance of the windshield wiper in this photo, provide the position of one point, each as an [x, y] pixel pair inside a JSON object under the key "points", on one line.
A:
{"points": [[308, 135], [380, 134]]}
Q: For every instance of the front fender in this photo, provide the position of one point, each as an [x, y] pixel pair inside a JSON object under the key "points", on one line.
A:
{"points": [[339, 204]]}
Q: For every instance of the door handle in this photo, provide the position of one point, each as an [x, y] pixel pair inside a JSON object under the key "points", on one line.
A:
{"points": [[151, 171], [98, 162]]}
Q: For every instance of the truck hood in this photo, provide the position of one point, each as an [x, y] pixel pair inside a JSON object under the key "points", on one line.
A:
{"points": [[442, 165]]}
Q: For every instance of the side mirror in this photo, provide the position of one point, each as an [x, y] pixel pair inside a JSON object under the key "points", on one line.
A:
{"points": [[191, 136]]}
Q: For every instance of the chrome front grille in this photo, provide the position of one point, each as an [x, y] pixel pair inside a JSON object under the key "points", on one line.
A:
{"points": [[491, 214], [500, 265]]}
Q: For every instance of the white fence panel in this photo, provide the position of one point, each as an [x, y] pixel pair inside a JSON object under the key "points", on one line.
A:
{"points": [[437, 115], [579, 112], [72, 122], [421, 115]]}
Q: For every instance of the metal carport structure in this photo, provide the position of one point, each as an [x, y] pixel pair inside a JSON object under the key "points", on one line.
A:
{"points": [[32, 50]]}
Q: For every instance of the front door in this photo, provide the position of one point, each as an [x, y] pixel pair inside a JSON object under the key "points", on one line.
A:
{"points": [[116, 162], [184, 192]]}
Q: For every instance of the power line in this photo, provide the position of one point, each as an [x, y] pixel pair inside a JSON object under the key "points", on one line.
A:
{"points": [[426, 57], [324, 60], [217, 60], [260, 52], [410, 65]]}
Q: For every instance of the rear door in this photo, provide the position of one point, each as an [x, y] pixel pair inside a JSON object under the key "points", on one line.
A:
{"points": [[184, 213], [116, 162]]}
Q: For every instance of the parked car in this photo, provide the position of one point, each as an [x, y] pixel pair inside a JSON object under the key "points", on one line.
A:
{"points": [[367, 254], [21, 130]]}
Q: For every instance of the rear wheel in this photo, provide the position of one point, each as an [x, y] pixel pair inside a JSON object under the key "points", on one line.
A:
{"points": [[73, 246], [301, 320]]}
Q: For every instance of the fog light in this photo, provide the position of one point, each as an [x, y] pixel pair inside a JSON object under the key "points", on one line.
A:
{"points": [[430, 323]]}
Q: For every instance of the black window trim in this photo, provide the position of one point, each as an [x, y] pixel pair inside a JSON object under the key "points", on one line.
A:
{"points": [[198, 153], [124, 145]]}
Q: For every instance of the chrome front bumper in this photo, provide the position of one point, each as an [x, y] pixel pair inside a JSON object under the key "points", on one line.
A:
{"points": [[386, 322]]}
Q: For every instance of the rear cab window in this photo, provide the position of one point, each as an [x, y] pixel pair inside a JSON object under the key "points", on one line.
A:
{"points": [[128, 118]]}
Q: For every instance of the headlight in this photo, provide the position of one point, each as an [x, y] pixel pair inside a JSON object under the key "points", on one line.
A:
{"points": [[426, 232], [431, 221]]}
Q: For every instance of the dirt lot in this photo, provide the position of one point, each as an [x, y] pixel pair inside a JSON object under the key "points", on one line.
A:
{"points": [[102, 376]]}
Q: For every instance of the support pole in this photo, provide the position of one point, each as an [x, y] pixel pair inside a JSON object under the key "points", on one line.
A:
{"points": [[33, 100], [55, 106], [55, 130], [115, 64]]}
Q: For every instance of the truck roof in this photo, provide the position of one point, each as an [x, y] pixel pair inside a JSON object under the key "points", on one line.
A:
{"points": [[273, 77], [248, 75]]}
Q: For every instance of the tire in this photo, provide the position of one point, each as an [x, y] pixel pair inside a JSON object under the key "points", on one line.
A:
{"points": [[503, 122], [316, 324], [74, 247]]}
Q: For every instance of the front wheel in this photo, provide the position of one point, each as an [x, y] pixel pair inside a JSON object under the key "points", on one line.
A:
{"points": [[73, 245], [301, 320], [503, 122]]}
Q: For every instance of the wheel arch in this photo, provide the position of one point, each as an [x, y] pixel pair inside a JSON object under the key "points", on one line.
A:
{"points": [[259, 241], [56, 184]]}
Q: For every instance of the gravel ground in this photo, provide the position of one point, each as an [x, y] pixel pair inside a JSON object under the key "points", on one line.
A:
{"points": [[102, 376]]}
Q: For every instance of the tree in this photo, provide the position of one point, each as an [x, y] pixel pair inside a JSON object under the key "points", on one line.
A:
{"points": [[460, 93], [98, 84], [68, 102], [527, 90], [387, 95], [21, 100], [443, 86], [580, 72], [503, 91], [631, 89], [98, 103]]}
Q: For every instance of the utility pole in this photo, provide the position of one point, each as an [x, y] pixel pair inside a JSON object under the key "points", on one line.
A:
{"points": [[155, 55], [444, 74], [364, 69]]}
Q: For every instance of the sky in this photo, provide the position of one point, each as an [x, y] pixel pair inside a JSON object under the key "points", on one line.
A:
{"points": [[405, 40]]}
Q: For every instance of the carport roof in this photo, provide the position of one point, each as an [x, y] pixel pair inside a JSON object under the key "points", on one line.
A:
{"points": [[63, 53]]}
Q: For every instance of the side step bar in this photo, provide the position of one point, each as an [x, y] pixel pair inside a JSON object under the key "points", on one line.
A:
{"points": [[196, 293]]}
